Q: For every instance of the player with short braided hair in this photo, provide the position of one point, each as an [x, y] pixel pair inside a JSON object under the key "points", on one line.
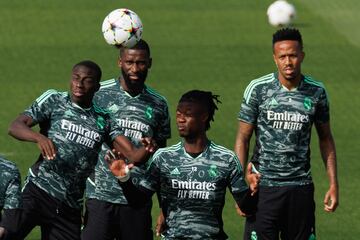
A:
{"points": [[191, 176]]}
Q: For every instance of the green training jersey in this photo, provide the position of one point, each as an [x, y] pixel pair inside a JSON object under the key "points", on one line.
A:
{"points": [[192, 189], [77, 134], [10, 185], [145, 115], [283, 121]]}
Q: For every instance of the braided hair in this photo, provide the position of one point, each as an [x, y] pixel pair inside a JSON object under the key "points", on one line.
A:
{"points": [[205, 99]]}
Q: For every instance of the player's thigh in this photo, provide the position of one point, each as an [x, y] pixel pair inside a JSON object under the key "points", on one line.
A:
{"points": [[66, 225], [299, 222], [99, 221], [264, 224], [136, 222], [31, 214]]}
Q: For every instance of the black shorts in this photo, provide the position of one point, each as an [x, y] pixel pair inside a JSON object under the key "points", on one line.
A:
{"points": [[56, 219], [10, 220], [288, 212], [108, 221]]}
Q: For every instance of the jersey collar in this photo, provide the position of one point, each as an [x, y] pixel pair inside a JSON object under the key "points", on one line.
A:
{"points": [[75, 105], [200, 155], [299, 87], [126, 93]]}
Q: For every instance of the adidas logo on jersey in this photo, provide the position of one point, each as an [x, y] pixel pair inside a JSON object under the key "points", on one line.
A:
{"points": [[175, 172], [273, 102]]}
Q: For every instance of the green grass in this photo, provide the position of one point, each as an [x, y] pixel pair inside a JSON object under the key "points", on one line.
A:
{"points": [[213, 45]]}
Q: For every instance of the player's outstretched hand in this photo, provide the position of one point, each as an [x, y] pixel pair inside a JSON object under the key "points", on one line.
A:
{"points": [[117, 164], [238, 211], [2, 232], [331, 200], [253, 178], [149, 144], [46, 147], [160, 224]]}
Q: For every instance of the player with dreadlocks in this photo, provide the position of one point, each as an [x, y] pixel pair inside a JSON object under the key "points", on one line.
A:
{"points": [[191, 176]]}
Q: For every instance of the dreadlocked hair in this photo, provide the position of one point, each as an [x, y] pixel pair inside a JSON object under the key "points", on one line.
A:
{"points": [[205, 99]]}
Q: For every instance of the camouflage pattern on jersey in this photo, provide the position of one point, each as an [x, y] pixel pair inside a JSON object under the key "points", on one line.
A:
{"points": [[192, 190], [77, 134], [283, 122], [141, 116], [10, 185]]}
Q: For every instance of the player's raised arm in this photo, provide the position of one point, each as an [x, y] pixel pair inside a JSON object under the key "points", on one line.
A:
{"points": [[123, 144], [20, 129], [121, 170]]}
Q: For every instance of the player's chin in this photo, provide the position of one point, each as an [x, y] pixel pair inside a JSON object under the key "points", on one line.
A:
{"points": [[182, 133]]}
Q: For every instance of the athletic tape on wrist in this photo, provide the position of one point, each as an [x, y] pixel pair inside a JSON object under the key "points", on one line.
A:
{"points": [[126, 176]]}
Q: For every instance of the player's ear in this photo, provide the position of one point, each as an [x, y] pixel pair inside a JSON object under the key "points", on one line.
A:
{"points": [[302, 56], [97, 87], [150, 63], [274, 58], [204, 117], [119, 62]]}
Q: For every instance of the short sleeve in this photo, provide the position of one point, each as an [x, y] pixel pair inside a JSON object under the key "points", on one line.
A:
{"points": [[164, 128], [249, 107], [43, 106], [151, 179], [237, 182], [322, 114], [13, 191]]}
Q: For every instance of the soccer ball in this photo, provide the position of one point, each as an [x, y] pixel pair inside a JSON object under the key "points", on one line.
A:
{"points": [[281, 13], [122, 27]]}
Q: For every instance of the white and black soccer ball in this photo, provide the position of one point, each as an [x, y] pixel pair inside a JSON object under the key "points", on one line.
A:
{"points": [[122, 27], [281, 13]]}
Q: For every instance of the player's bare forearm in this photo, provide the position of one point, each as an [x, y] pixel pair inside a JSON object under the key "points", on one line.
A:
{"points": [[328, 153], [20, 129], [329, 157], [242, 142]]}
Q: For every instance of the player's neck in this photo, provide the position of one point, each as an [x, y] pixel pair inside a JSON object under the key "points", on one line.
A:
{"points": [[132, 91], [290, 84], [196, 145]]}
